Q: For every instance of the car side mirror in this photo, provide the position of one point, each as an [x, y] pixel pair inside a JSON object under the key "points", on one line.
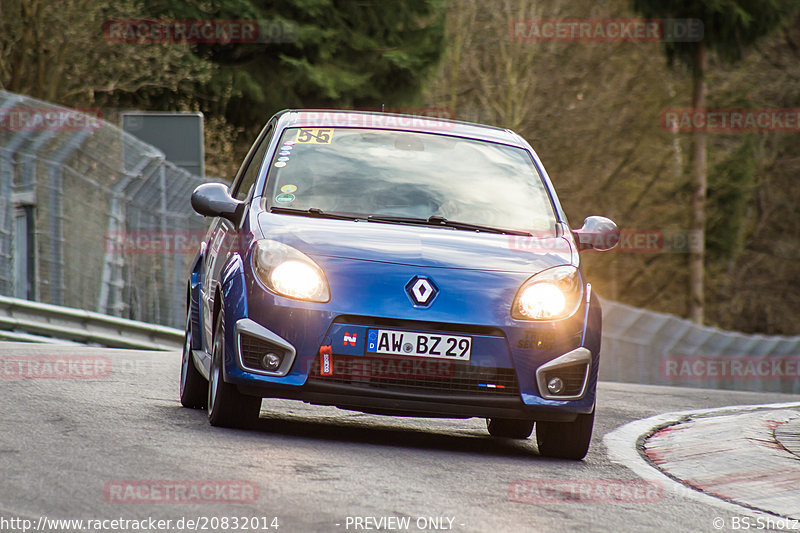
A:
{"points": [[597, 233], [213, 200]]}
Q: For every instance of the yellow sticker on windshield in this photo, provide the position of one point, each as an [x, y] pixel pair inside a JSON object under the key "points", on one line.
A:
{"points": [[314, 136]]}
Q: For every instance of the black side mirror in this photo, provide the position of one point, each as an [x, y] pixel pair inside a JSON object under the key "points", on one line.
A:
{"points": [[213, 200], [597, 233]]}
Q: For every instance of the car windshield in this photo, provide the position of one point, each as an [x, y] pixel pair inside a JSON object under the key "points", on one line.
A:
{"points": [[384, 173]]}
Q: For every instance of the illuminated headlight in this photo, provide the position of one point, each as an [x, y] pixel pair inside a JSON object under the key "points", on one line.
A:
{"points": [[289, 272], [549, 295]]}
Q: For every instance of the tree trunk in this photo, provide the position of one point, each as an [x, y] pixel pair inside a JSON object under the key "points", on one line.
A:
{"points": [[698, 179]]}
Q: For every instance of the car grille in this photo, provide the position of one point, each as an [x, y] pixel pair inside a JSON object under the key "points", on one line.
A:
{"points": [[254, 348], [398, 374], [572, 376]]}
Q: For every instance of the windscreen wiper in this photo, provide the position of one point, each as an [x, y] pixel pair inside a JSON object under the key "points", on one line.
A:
{"points": [[439, 221], [312, 212]]}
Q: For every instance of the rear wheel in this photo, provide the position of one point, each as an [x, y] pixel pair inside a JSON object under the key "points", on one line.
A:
{"points": [[194, 387], [509, 428], [565, 440], [227, 407]]}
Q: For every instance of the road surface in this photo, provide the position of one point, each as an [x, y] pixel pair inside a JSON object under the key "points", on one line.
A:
{"points": [[109, 440]]}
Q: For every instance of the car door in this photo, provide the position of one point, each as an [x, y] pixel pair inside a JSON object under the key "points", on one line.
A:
{"points": [[224, 235]]}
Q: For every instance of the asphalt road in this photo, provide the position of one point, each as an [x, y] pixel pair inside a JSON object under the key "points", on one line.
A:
{"points": [[110, 441]]}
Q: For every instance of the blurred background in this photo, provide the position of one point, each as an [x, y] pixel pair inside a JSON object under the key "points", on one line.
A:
{"points": [[593, 109]]}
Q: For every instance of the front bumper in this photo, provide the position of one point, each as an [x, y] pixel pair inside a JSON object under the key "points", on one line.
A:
{"points": [[504, 378]]}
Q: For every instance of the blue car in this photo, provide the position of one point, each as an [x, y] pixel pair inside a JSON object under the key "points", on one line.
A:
{"points": [[395, 265]]}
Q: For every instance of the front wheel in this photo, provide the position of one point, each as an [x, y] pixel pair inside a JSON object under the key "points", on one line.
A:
{"points": [[227, 407], [193, 385], [565, 440]]}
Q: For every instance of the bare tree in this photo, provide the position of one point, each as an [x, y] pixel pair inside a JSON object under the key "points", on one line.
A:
{"points": [[58, 51]]}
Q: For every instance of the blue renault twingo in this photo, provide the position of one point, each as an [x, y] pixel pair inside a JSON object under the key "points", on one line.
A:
{"points": [[395, 265]]}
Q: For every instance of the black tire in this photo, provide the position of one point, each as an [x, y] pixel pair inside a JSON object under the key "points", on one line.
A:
{"points": [[565, 440], [227, 407], [194, 387], [508, 428]]}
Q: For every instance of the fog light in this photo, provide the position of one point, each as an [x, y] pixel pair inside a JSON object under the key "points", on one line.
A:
{"points": [[271, 361], [555, 385]]}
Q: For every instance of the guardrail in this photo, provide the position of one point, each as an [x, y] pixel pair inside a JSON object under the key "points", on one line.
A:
{"points": [[642, 346], [24, 320]]}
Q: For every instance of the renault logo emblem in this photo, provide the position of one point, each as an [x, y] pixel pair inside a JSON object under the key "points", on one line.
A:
{"points": [[422, 290]]}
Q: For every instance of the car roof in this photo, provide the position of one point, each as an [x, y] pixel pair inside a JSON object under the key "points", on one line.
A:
{"points": [[330, 118]]}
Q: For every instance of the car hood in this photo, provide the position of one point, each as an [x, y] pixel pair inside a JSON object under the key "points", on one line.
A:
{"points": [[412, 245]]}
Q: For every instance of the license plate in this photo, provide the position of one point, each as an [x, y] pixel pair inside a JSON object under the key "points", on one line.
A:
{"points": [[392, 342]]}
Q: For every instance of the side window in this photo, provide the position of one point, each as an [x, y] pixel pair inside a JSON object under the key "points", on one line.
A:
{"points": [[251, 172]]}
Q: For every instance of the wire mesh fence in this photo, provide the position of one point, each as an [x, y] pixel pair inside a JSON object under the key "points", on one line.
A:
{"points": [[89, 215]]}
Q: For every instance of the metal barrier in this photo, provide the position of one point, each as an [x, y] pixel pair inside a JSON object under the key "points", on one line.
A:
{"points": [[22, 320], [91, 217], [641, 346]]}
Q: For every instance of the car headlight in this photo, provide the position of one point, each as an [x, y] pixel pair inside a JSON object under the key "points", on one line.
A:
{"points": [[549, 295], [289, 272]]}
